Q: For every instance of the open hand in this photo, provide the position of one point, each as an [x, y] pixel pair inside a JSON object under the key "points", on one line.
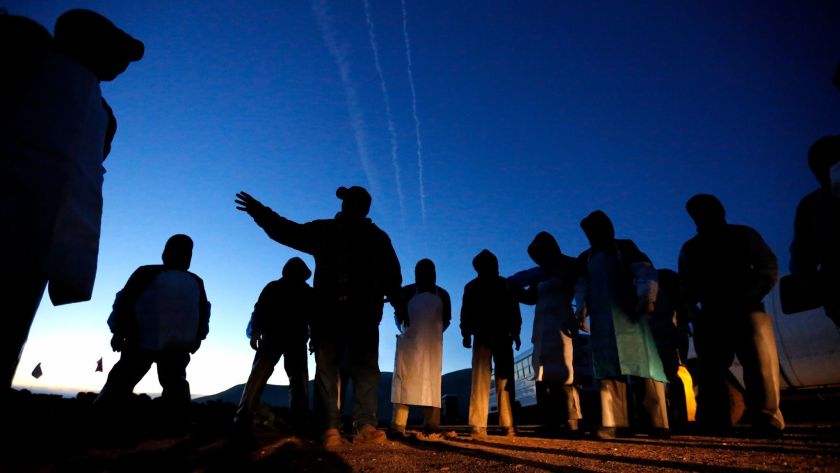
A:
{"points": [[246, 203], [517, 342], [255, 341], [117, 343], [467, 342]]}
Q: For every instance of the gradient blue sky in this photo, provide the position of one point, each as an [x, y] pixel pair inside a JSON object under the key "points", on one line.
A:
{"points": [[531, 115]]}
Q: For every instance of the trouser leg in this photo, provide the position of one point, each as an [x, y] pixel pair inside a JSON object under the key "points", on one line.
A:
{"points": [[364, 371], [757, 354], [480, 387], [714, 357], [614, 403], [654, 403], [172, 374], [122, 378], [505, 386], [21, 295], [431, 417], [297, 369], [261, 370], [400, 418], [328, 350], [573, 412]]}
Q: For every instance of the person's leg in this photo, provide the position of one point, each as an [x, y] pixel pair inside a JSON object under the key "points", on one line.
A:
{"points": [[400, 418], [172, 374], [712, 340], [505, 385], [297, 369], [122, 378], [364, 372], [613, 407], [329, 347], [654, 404], [573, 411], [264, 360], [757, 354], [480, 388], [22, 295], [431, 419]]}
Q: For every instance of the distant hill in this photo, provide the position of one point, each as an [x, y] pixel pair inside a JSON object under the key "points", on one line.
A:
{"points": [[455, 384]]}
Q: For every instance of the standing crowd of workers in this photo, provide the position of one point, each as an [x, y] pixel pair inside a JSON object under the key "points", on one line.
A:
{"points": [[57, 129]]}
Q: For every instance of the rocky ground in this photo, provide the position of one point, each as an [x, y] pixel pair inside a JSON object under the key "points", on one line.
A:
{"points": [[61, 435]]}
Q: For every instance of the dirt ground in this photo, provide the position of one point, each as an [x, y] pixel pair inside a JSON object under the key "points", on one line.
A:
{"points": [[52, 434], [813, 448]]}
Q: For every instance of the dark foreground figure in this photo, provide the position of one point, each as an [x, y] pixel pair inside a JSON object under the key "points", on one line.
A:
{"points": [[355, 268], [279, 327], [55, 132], [815, 251], [160, 316], [729, 269]]}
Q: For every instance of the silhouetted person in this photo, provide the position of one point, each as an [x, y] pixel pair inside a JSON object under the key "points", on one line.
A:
{"points": [[490, 325], [279, 327], [668, 323], [160, 316], [617, 291], [552, 288], [418, 363], [728, 269], [55, 132], [815, 252], [355, 267]]}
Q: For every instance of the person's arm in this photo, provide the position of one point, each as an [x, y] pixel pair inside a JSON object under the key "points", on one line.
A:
{"points": [[467, 322], [765, 268], [121, 321], [582, 289], [515, 318], [301, 237], [447, 307], [391, 275], [804, 255]]}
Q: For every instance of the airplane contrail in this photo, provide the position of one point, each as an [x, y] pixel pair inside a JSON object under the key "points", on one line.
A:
{"points": [[414, 112], [389, 117], [339, 53]]}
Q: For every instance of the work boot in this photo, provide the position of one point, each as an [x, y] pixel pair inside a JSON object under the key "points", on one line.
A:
{"points": [[509, 431], [606, 433], [397, 432], [369, 434], [331, 439], [660, 433], [478, 433]]}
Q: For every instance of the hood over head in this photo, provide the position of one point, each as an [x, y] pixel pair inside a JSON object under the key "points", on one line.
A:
{"points": [[598, 229], [486, 264], [296, 270], [824, 153], [424, 273], [544, 250]]}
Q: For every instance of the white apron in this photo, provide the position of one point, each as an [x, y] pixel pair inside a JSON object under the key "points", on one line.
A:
{"points": [[418, 364]]}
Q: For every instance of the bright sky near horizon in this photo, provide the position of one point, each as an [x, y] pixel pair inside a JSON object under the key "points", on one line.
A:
{"points": [[506, 119]]}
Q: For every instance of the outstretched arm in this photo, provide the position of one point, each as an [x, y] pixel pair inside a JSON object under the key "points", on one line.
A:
{"points": [[282, 230]]}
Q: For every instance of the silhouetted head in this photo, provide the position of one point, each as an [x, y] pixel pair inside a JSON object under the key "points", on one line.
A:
{"points": [[707, 212], [296, 270], [177, 253], [544, 250], [355, 201], [486, 264], [824, 154], [424, 273], [598, 229], [96, 43]]}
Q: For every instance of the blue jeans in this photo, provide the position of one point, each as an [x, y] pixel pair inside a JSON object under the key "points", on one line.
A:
{"points": [[357, 349]]}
